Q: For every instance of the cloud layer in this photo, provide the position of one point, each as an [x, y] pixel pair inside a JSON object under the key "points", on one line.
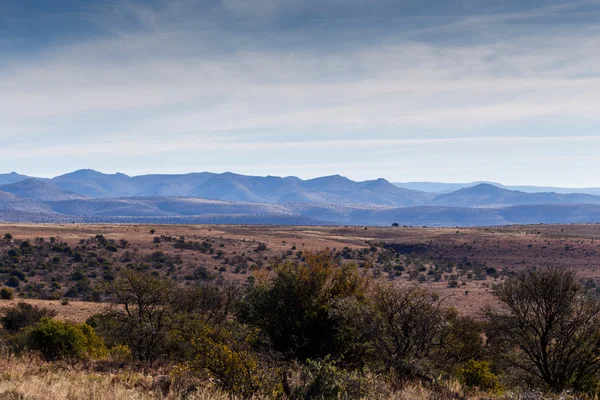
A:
{"points": [[403, 90]]}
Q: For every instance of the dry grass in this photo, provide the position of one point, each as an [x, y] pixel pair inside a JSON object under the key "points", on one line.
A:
{"points": [[29, 378], [75, 311]]}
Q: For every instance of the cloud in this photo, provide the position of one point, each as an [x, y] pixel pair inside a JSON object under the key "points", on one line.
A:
{"points": [[278, 74]]}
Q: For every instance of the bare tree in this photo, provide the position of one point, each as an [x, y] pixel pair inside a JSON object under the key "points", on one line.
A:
{"points": [[141, 311], [412, 324], [548, 327]]}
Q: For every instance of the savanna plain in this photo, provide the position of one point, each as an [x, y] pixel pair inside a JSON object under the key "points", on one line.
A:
{"points": [[234, 311]]}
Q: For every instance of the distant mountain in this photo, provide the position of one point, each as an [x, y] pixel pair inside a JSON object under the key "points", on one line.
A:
{"points": [[96, 184], [91, 196], [169, 185], [13, 177], [439, 187], [240, 188], [197, 211], [38, 190], [486, 195], [330, 189]]}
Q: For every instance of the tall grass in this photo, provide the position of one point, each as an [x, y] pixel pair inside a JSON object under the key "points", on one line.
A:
{"points": [[30, 378]]}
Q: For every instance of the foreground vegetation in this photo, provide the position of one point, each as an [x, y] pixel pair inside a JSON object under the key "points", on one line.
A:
{"points": [[306, 327]]}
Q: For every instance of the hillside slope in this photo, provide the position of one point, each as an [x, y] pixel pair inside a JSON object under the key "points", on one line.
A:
{"points": [[39, 190], [486, 195]]}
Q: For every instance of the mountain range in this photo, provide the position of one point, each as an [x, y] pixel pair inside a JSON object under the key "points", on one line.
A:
{"points": [[91, 196]]}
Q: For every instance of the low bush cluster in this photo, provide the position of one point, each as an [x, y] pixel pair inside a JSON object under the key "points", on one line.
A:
{"points": [[319, 327]]}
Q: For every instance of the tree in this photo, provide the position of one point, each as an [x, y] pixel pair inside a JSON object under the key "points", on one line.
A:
{"points": [[547, 327], [412, 325], [141, 316], [294, 308]]}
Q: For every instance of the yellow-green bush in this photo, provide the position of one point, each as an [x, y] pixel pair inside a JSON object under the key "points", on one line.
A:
{"points": [[120, 353], [226, 356], [59, 340], [477, 375]]}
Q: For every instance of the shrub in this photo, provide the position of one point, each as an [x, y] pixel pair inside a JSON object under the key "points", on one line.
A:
{"points": [[19, 274], [120, 353], [23, 315], [227, 357], [294, 308], [63, 340], [477, 374], [13, 282], [7, 294], [322, 379]]}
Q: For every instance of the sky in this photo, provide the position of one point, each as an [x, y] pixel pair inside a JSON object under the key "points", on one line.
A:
{"points": [[406, 90]]}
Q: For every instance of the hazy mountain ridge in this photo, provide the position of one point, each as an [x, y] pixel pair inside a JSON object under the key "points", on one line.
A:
{"points": [[198, 211], [40, 190], [486, 195], [442, 187], [90, 196], [239, 188], [13, 177]]}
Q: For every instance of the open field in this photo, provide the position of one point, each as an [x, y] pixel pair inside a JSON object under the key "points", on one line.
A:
{"points": [[507, 249]]}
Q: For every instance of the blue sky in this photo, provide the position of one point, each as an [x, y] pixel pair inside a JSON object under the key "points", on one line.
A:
{"points": [[407, 90]]}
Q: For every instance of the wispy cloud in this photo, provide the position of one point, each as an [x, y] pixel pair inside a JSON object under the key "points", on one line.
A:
{"points": [[248, 79]]}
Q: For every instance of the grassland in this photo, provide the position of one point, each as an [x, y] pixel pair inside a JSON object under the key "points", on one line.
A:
{"points": [[235, 255], [67, 269]]}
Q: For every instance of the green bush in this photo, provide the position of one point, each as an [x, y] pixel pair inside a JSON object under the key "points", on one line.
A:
{"points": [[294, 308], [23, 315], [64, 340], [7, 294], [13, 282], [477, 374]]}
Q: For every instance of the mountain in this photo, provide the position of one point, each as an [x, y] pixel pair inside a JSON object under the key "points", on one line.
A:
{"points": [[197, 211], [329, 189], [169, 185], [13, 177], [91, 196], [241, 188], [38, 190], [440, 187], [486, 195], [95, 184]]}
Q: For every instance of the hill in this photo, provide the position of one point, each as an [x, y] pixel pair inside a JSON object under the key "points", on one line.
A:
{"points": [[486, 195], [13, 177], [441, 187], [39, 190]]}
